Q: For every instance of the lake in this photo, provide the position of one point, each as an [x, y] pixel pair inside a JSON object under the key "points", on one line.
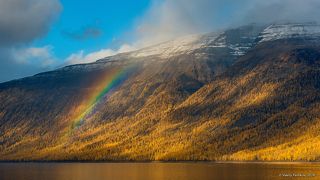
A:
{"points": [[155, 171]]}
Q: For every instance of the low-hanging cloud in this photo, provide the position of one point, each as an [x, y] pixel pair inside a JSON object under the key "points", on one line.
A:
{"points": [[168, 19], [80, 56], [275, 11]]}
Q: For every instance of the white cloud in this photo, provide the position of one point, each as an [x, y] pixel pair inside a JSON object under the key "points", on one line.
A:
{"points": [[82, 57], [18, 62], [40, 56]]}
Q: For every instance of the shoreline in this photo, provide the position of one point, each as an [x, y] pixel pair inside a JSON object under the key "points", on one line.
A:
{"points": [[146, 161]]}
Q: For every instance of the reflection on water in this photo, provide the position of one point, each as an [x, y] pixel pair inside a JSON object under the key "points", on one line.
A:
{"points": [[154, 171]]}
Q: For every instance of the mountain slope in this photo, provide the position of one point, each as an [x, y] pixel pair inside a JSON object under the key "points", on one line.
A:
{"points": [[244, 94], [263, 102]]}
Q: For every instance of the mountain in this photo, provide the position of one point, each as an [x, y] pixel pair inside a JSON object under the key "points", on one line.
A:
{"points": [[247, 93]]}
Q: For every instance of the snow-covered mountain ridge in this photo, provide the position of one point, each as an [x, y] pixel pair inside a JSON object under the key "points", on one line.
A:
{"points": [[249, 36], [236, 41]]}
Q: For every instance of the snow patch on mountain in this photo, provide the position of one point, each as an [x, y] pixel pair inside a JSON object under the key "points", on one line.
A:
{"points": [[182, 45], [286, 31]]}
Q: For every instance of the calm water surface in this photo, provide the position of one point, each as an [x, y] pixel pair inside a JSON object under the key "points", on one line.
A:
{"points": [[155, 171]]}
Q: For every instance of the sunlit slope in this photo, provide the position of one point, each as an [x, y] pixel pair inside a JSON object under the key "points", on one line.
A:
{"points": [[229, 97], [266, 106], [42, 116]]}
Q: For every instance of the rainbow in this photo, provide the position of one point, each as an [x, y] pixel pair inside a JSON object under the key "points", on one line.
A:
{"points": [[104, 86]]}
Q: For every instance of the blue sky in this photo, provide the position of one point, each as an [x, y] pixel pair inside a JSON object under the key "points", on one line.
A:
{"points": [[112, 18]]}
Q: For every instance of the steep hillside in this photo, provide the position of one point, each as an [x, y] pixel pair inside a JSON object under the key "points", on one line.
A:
{"points": [[250, 93], [266, 106]]}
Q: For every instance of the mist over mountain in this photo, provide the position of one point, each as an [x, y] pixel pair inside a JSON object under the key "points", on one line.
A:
{"points": [[167, 19]]}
